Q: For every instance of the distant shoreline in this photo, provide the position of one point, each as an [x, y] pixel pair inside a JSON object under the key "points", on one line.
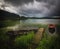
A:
{"points": [[43, 18]]}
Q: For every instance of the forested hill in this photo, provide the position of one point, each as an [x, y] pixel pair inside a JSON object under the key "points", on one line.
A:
{"points": [[4, 15]]}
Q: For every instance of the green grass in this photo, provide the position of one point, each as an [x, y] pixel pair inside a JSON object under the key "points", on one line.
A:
{"points": [[5, 23], [50, 42], [35, 25], [47, 42], [22, 42]]}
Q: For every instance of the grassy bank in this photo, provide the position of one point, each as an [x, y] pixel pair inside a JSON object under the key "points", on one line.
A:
{"points": [[23, 42], [5, 23]]}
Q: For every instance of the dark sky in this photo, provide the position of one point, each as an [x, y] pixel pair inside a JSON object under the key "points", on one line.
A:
{"points": [[37, 8]]}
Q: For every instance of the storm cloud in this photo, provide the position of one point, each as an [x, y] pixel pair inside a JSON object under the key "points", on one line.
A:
{"points": [[17, 2], [37, 8]]}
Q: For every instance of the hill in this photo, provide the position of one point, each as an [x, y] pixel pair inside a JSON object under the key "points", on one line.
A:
{"points": [[4, 15]]}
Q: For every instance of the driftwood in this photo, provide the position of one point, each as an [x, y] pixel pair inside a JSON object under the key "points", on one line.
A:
{"points": [[21, 32]]}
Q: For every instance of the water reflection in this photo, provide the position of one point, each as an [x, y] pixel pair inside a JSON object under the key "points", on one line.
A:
{"points": [[40, 21]]}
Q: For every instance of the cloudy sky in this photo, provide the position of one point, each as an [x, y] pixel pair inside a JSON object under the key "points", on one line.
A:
{"points": [[36, 8]]}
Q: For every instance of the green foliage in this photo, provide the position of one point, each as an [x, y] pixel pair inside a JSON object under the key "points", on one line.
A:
{"points": [[6, 23], [49, 42], [3, 39], [22, 42]]}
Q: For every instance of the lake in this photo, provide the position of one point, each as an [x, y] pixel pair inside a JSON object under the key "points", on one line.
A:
{"points": [[40, 21], [33, 23]]}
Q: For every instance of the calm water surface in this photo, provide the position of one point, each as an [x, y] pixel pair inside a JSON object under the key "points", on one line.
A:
{"points": [[35, 23], [40, 21]]}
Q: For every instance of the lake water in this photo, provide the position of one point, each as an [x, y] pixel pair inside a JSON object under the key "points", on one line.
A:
{"points": [[34, 23], [40, 21]]}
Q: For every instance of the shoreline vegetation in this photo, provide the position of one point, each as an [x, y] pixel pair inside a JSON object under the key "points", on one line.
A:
{"points": [[26, 41], [23, 17]]}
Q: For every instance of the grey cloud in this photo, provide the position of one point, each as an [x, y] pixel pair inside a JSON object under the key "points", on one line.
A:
{"points": [[17, 2], [31, 13], [54, 11]]}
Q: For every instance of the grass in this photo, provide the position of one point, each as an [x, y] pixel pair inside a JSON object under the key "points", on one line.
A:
{"points": [[34, 25], [5, 23], [47, 42], [50, 42], [22, 42]]}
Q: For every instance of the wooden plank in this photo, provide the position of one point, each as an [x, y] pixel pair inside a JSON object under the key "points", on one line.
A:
{"points": [[38, 36]]}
